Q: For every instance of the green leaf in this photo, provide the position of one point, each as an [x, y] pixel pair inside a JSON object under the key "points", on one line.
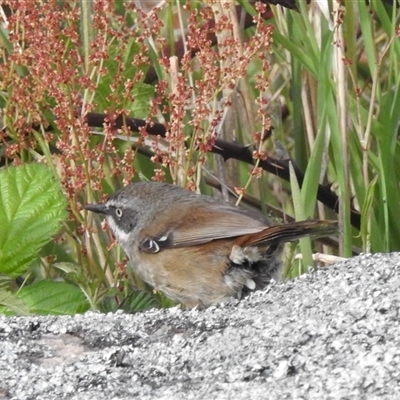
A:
{"points": [[31, 208], [139, 300], [296, 51], [56, 298], [142, 93], [248, 7], [305, 243], [6, 282], [366, 214], [10, 304]]}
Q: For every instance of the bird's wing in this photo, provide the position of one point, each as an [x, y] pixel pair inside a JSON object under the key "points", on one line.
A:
{"points": [[209, 225], [199, 225]]}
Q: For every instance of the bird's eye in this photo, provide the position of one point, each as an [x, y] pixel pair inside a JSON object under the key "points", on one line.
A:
{"points": [[118, 212]]}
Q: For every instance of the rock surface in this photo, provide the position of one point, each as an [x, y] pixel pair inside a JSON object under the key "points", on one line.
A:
{"points": [[332, 334]]}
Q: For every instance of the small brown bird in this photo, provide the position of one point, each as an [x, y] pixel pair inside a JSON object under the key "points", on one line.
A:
{"points": [[196, 249]]}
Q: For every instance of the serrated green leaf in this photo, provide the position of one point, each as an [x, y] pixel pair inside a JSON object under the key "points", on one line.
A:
{"points": [[31, 208], [56, 298]]}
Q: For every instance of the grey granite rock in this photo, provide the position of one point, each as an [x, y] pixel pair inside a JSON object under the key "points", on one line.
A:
{"points": [[332, 334]]}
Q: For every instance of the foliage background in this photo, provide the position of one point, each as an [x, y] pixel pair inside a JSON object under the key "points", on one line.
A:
{"points": [[324, 76]]}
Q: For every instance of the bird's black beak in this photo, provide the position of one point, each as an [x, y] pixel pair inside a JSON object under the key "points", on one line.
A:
{"points": [[97, 208]]}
